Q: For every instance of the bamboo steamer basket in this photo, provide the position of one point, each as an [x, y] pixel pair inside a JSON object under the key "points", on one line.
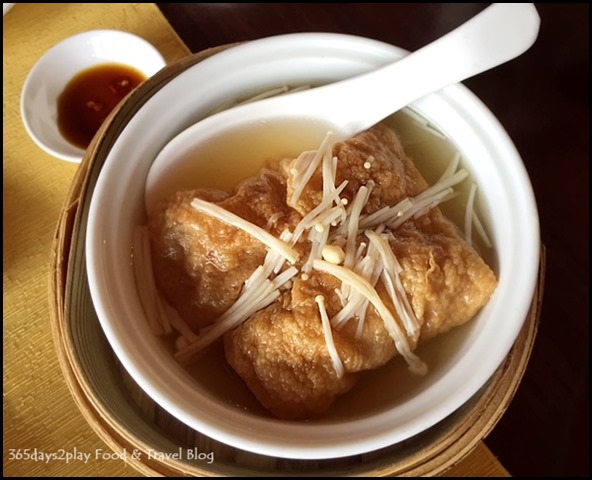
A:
{"points": [[153, 441]]}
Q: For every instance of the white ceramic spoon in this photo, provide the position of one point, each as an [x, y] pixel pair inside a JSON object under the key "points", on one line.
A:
{"points": [[496, 35]]}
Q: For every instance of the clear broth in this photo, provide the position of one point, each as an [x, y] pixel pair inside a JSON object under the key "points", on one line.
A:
{"points": [[379, 389]]}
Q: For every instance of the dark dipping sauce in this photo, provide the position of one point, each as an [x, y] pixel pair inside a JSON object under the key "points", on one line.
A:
{"points": [[90, 97]]}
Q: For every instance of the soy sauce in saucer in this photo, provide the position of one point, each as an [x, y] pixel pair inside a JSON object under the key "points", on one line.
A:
{"points": [[89, 98]]}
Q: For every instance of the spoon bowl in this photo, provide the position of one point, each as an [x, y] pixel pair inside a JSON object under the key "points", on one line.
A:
{"points": [[498, 34]]}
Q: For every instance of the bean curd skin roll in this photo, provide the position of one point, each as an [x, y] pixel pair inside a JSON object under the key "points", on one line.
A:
{"points": [[316, 270]]}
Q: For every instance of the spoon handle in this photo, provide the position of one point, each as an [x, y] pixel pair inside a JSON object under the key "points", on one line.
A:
{"points": [[496, 35]]}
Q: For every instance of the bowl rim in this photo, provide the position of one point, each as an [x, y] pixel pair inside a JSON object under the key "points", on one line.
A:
{"points": [[33, 82], [249, 436]]}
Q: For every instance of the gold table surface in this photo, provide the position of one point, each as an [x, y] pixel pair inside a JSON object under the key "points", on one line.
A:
{"points": [[41, 419]]}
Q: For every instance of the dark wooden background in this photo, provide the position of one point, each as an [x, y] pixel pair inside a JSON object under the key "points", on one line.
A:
{"points": [[541, 99]]}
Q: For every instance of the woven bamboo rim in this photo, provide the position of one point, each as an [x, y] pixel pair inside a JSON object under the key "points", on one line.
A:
{"points": [[130, 422]]}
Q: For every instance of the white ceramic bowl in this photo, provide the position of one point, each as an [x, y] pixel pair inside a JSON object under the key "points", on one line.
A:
{"points": [[466, 358], [50, 75]]}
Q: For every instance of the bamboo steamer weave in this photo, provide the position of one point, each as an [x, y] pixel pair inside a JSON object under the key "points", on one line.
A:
{"points": [[134, 426]]}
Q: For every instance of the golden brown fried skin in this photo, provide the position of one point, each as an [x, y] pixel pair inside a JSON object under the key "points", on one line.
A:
{"points": [[281, 353], [200, 263], [393, 173], [446, 281]]}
